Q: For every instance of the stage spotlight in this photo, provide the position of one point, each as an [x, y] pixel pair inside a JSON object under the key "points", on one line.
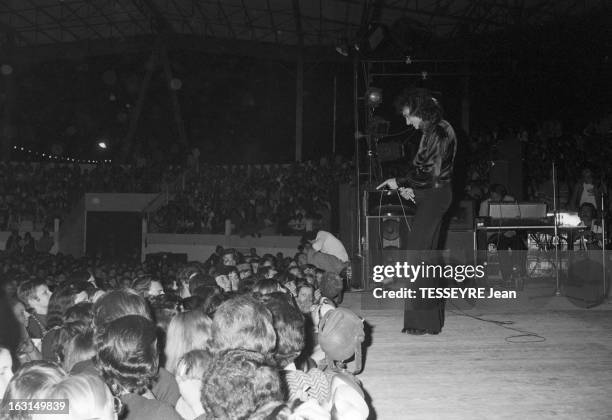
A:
{"points": [[103, 145], [374, 96], [424, 75]]}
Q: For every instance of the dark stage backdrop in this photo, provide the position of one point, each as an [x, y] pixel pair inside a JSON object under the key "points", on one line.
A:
{"points": [[113, 234]]}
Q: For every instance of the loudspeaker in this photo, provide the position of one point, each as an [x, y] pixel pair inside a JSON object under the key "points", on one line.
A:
{"points": [[584, 286], [388, 232], [348, 219], [385, 237]]}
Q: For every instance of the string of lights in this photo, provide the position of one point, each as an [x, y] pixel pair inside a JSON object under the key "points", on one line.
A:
{"points": [[51, 157]]}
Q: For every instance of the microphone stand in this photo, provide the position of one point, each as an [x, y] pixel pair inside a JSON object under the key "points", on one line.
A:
{"points": [[556, 237], [603, 239], [556, 241]]}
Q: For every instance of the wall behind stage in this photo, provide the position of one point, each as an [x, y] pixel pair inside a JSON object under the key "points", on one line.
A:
{"points": [[200, 247]]}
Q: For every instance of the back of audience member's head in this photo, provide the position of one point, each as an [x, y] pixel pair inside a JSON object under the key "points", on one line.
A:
{"points": [[187, 331], [194, 364], [289, 327], [243, 323], [241, 373], [6, 368], [127, 354], [193, 303], [331, 286], [31, 381], [164, 308], [63, 298], [266, 286], [88, 398], [206, 291], [82, 311], [147, 287], [497, 192], [76, 344], [268, 272], [213, 302], [246, 285], [190, 371], [117, 304], [199, 280]]}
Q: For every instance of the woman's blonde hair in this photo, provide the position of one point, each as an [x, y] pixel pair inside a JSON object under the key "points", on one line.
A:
{"points": [[187, 331], [88, 397]]}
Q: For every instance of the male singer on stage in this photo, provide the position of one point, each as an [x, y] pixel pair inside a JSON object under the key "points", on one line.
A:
{"points": [[428, 183]]}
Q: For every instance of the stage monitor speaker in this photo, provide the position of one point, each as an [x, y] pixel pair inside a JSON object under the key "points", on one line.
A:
{"points": [[385, 235], [584, 285]]}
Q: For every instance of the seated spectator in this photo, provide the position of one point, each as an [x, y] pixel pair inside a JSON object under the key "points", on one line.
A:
{"points": [[27, 350], [327, 243], [323, 261], [289, 328], [45, 242], [189, 373], [76, 344], [62, 298], [590, 238], [187, 331], [587, 190], [88, 398], [243, 323], [117, 304], [147, 287], [6, 368], [128, 359], [31, 381], [242, 373], [12, 243], [497, 194], [35, 294]]}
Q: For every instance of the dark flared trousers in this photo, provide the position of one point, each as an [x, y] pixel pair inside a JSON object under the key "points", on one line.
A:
{"points": [[432, 205]]}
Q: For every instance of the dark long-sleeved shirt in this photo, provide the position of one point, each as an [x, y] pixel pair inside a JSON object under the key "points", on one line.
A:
{"points": [[432, 166]]}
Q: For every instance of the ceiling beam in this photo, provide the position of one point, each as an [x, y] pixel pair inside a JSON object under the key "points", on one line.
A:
{"points": [[176, 42], [44, 10]]}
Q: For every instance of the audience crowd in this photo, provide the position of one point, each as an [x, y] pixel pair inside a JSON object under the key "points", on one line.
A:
{"points": [[239, 336], [248, 200], [36, 193], [255, 200]]}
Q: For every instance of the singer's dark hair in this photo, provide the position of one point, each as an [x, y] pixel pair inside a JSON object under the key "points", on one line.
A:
{"points": [[422, 104]]}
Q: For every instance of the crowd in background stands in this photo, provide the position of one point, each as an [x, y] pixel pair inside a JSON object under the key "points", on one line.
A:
{"points": [[237, 336], [248, 200], [32, 195], [255, 200], [572, 149]]}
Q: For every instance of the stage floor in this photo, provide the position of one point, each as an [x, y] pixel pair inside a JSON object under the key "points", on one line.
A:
{"points": [[472, 371]]}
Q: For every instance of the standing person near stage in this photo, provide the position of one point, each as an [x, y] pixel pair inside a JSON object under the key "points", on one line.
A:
{"points": [[428, 183]]}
